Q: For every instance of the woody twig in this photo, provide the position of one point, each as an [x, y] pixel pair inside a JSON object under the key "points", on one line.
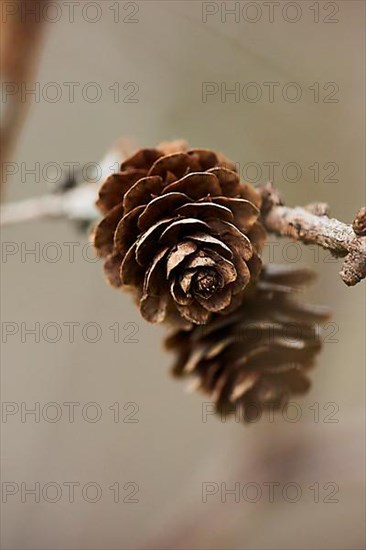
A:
{"points": [[312, 225]]}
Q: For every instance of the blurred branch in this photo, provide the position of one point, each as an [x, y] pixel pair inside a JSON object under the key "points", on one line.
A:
{"points": [[311, 225], [75, 203], [21, 40]]}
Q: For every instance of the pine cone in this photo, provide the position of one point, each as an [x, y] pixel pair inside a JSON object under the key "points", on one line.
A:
{"points": [[259, 355], [181, 232]]}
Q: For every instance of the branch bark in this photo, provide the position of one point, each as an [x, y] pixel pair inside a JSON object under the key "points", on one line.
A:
{"points": [[311, 225]]}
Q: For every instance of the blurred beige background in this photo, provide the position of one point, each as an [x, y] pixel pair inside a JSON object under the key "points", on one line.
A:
{"points": [[169, 453]]}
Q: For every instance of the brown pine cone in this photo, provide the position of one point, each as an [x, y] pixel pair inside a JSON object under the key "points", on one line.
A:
{"points": [[259, 355], [181, 232]]}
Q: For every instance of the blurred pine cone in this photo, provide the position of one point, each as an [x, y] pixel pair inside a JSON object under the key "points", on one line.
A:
{"points": [[259, 355], [181, 232]]}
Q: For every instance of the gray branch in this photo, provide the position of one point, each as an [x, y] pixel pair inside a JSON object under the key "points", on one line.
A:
{"points": [[311, 225]]}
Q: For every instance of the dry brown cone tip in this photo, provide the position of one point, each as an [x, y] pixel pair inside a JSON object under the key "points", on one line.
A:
{"points": [[181, 232], [258, 356]]}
